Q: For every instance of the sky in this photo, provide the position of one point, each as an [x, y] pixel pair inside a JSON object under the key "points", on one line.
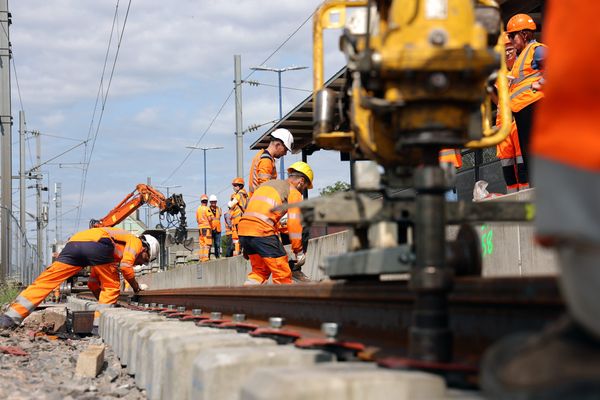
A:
{"points": [[173, 73]]}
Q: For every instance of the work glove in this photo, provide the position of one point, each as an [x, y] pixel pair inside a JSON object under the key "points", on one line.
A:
{"points": [[138, 268], [232, 203], [300, 259], [143, 286], [283, 220]]}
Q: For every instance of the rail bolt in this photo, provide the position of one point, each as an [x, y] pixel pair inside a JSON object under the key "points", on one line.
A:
{"points": [[161, 305], [330, 329], [215, 315], [171, 307], [276, 322], [196, 311], [153, 305], [239, 317], [146, 305], [181, 309]]}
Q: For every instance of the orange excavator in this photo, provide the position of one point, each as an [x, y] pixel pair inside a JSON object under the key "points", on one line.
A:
{"points": [[172, 210]]}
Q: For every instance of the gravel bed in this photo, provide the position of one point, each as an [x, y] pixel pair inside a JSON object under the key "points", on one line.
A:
{"points": [[48, 371]]}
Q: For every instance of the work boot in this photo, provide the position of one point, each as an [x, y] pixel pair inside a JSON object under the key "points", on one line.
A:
{"points": [[299, 276], [563, 362], [7, 322]]}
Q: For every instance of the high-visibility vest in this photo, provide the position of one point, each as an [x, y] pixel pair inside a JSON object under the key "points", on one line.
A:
{"points": [[203, 217], [259, 219], [521, 93], [262, 170], [451, 156], [216, 218], [127, 246], [238, 209]]}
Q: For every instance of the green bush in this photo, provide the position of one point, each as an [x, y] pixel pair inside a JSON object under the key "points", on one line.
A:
{"points": [[8, 292]]}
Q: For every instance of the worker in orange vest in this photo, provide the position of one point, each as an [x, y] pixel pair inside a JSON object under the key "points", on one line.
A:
{"points": [[107, 251], [526, 79], [563, 362], [228, 234], [204, 219], [215, 214], [237, 205], [263, 167], [509, 150], [258, 227]]}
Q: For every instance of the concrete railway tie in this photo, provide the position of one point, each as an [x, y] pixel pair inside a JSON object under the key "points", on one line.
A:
{"points": [[173, 359]]}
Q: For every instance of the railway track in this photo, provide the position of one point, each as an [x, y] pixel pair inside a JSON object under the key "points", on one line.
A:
{"points": [[377, 314]]}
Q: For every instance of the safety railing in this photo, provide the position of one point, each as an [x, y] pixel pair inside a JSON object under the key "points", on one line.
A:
{"points": [[24, 265]]}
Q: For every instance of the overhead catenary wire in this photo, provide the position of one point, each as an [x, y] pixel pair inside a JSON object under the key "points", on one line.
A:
{"points": [[88, 159], [189, 153]]}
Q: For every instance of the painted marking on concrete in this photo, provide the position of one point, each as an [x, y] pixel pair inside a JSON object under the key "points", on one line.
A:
{"points": [[487, 241]]}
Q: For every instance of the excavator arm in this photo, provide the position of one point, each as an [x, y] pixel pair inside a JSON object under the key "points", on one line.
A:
{"points": [[146, 194]]}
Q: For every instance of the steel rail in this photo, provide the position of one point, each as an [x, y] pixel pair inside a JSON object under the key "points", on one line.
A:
{"points": [[482, 310]]}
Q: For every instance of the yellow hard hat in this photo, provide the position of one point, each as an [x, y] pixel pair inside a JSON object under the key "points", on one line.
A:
{"points": [[303, 168]]}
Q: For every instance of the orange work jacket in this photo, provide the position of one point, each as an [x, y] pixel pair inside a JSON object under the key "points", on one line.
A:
{"points": [[238, 209], [259, 219], [127, 246], [521, 93], [451, 156], [262, 170], [215, 215], [203, 217]]}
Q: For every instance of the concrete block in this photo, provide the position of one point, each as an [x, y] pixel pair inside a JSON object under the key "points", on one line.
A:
{"points": [[114, 321], [106, 320], [90, 361], [135, 346], [126, 329], [342, 381], [219, 373], [180, 358], [150, 360]]}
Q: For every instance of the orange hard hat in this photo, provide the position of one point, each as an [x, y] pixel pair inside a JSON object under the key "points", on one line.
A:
{"points": [[238, 181], [203, 198], [520, 22]]}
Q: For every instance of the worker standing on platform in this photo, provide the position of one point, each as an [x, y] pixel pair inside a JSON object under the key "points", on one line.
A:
{"points": [[564, 361], [258, 227], [204, 219], [237, 205], [228, 234], [107, 251], [263, 167], [526, 80], [509, 150], [215, 214]]}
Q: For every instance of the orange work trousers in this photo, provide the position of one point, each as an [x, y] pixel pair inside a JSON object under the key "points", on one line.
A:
{"points": [[52, 277], [263, 267], [205, 240]]}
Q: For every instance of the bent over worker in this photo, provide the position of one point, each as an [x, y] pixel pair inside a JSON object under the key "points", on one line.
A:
{"points": [[106, 250], [258, 226]]}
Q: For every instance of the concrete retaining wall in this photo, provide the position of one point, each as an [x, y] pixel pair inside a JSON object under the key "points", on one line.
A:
{"points": [[507, 250], [232, 271]]}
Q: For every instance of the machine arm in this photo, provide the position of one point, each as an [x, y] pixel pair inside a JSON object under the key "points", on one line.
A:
{"points": [[146, 194]]}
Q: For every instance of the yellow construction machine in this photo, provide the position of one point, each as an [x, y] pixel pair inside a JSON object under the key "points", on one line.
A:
{"points": [[419, 74]]}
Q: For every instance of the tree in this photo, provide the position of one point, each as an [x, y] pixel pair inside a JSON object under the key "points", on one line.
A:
{"points": [[339, 186]]}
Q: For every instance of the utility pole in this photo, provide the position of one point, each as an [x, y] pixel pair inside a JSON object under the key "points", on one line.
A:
{"points": [[147, 207], [239, 138], [6, 143], [22, 189], [39, 183], [58, 212], [204, 149]]}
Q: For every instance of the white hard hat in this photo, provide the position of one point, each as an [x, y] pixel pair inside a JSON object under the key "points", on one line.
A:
{"points": [[153, 245], [212, 198], [285, 136]]}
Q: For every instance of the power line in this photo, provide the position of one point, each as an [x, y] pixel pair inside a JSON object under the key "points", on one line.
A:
{"points": [[187, 156], [17, 82], [199, 140], [257, 83], [105, 98]]}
